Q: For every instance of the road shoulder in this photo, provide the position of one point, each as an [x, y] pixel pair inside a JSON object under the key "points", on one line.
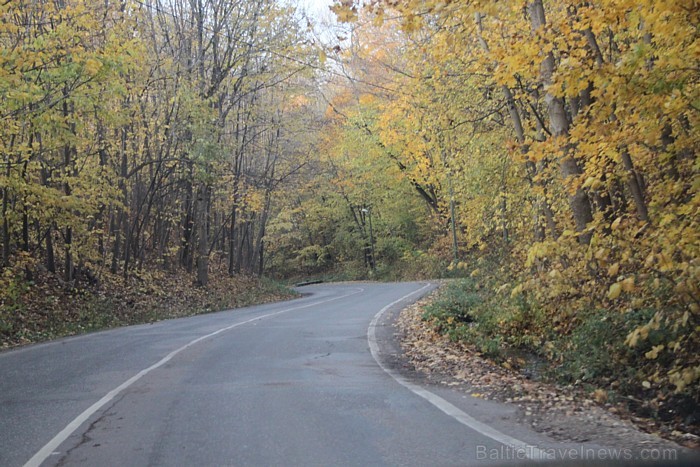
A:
{"points": [[533, 411]]}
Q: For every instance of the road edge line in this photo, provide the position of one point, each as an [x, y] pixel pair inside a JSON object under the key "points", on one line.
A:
{"points": [[48, 449], [531, 452]]}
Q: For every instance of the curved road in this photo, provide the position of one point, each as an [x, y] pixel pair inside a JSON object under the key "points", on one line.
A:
{"points": [[305, 382]]}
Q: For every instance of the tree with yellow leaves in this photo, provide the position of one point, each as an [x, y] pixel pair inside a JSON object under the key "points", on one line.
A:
{"points": [[591, 109]]}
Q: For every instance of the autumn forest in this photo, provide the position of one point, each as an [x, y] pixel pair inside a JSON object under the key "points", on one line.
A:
{"points": [[542, 154]]}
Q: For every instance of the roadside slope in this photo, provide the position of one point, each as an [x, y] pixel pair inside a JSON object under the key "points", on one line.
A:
{"points": [[48, 309], [564, 413]]}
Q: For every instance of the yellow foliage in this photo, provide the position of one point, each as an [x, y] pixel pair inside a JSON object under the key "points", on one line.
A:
{"points": [[654, 352], [614, 291], [467, 112]]}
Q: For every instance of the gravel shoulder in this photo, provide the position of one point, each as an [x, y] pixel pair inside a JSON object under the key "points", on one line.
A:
{"points": [[565, 414]]}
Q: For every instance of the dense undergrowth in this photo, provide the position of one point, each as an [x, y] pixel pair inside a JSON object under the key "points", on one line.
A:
{"points": [[589, 350], [44, 308], [429, 268]]}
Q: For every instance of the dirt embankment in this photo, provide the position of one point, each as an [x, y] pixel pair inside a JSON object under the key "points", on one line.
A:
{"points": [[47, 309]]}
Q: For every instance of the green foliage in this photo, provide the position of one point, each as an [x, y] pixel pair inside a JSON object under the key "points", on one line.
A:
{"points": [[589, 349], [595, 351], [455, 304], [495, 324], [325, 231], [312, 258], [454, 311]]}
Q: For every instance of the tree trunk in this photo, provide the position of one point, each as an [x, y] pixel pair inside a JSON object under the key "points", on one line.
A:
{"points": [[635, 188], [118, 221], [5, 209], [258, 248], [243, 234], [186, 254], [202, 235], [115, 230], [25, 211], [232, 241], [559, 128], [69, 269], [543, 210], [50, 256], [5, 228]]}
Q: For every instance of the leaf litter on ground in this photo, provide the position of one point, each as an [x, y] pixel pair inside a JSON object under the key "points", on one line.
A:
{"points": [[566, 413]]}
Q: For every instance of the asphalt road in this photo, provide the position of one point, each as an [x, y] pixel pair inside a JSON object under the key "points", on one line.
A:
{"points": [[307, 382]]}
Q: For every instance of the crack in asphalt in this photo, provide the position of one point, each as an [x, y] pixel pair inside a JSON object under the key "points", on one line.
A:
{"points": [[85, 437]]}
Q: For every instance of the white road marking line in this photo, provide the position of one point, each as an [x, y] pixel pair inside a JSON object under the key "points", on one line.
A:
{"points": [[50, 447], [531, 452]]}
